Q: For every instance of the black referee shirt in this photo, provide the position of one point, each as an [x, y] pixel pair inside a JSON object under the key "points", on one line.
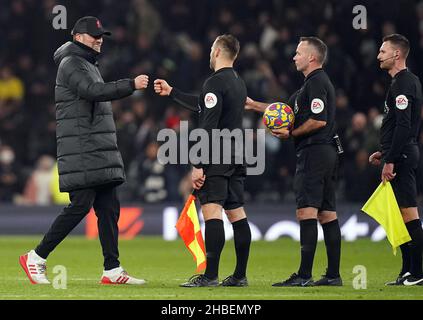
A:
{"points": [[222, 101], [315, 100], [220, 104], [401, 122]]}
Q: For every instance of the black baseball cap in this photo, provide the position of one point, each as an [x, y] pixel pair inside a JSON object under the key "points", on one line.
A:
{"points": [[90, 25]]}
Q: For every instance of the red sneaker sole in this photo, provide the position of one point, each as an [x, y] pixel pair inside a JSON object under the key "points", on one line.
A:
{"points": [[22, 262], [107, 281]]}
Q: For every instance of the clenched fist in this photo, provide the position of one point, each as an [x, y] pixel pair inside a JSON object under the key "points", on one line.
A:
{"points": [[141, 82], [161, 87]]}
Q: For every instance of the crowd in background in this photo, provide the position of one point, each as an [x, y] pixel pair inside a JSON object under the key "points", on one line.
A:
{"points": [[171, 39]]}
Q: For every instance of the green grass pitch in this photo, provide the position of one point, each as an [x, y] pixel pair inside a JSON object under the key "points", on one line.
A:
{"points": [[167, 264]]}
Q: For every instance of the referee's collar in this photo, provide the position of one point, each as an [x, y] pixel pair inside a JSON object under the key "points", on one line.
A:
{"points": [[223, 69], [313, 73], [400, 72]]}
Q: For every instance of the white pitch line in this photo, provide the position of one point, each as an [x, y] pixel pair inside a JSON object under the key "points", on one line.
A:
{"points": [[155, 295], [88, 296], [149, 297], [84, 279]]}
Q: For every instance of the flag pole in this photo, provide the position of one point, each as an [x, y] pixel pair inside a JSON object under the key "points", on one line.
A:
{"points": [[189, 229]]}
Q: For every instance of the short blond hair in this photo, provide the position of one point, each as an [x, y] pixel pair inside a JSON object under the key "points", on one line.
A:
{"points": [[229, 44]]}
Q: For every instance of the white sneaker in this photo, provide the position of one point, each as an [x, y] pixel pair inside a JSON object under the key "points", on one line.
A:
{"points": [[119, 276], [413, 281], [34, 267]]}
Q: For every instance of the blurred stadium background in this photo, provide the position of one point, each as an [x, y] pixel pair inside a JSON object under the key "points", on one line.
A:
{"points": [[171, 39]]}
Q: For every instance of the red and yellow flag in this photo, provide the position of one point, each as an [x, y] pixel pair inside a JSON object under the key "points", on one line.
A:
{"points": [[190, 232]]}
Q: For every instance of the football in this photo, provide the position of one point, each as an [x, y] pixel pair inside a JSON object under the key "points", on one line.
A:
{"points": [[278, 115]]}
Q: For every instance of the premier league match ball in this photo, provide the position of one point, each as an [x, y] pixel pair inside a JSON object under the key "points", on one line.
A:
{"points": [[278, 115]]}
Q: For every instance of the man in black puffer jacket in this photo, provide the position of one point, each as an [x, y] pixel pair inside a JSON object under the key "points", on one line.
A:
{"points": [[90, 164]]}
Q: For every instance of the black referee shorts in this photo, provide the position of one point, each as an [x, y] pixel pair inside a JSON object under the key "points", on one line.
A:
{"points": [[224, 187], [404, 184], [315, 177]]}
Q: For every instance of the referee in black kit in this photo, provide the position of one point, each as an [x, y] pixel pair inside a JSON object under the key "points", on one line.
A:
{"points": [[399, 149], [317, 147], [220, 106]]}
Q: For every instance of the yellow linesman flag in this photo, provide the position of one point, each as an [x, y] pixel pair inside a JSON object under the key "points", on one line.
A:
{"points": [[190, 232], [382, 206]]}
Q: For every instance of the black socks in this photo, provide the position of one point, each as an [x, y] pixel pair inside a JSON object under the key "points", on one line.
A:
{"points": [[215, 240], [308, 240], [406, 257], [415, 230], [242, 238], [332, 235]]}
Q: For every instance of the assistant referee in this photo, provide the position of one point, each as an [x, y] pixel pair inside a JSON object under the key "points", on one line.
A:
{"points": [[399, 149], [220, 106], [317, 163]]}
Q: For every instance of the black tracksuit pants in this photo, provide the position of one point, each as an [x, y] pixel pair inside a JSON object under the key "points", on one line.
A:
{"points": [[107, 209]]}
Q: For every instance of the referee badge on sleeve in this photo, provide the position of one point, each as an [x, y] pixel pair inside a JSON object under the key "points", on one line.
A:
{"points": [[401, 102], [317, 106], [210, 100]]}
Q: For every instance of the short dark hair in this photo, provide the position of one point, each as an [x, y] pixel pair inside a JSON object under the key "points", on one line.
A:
{"points": [[399, 41], [319, 45], [228, 43]]}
